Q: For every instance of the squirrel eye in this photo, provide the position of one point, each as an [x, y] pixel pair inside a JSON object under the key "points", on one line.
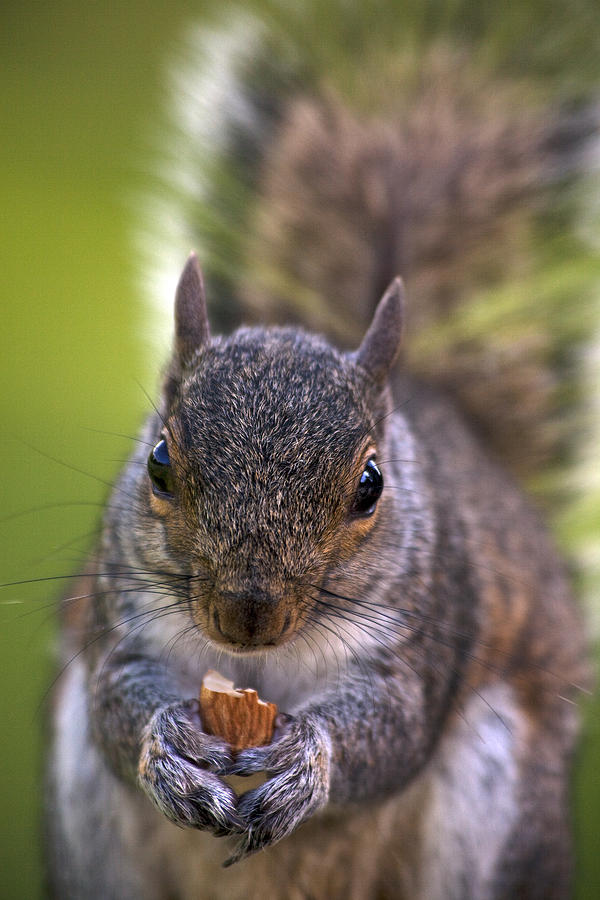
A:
{"points": [[369, 490], [159, 469]]}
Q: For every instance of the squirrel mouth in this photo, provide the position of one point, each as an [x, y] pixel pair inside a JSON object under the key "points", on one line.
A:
{"points": [[236, 648]]}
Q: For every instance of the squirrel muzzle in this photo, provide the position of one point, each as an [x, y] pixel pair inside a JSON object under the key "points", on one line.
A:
{"points": [[249, 618]]}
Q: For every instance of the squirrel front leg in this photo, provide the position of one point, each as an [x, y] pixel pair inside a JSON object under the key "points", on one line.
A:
{"points": [[364, 739], [151, 735]]}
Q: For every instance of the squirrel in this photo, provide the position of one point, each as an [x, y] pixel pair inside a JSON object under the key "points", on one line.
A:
{"points": [[324, 519]]}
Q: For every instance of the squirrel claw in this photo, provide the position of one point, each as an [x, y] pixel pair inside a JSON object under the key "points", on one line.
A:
{"points": [[243, 850]]}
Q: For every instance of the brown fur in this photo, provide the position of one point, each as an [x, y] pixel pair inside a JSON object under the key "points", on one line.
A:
{"points": [[440, 181]]}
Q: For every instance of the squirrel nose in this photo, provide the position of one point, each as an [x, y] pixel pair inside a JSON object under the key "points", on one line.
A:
{"points": [[253, 618]]}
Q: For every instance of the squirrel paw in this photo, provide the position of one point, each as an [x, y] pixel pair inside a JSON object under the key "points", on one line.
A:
{"points": [[297, 766], [178, 770]]}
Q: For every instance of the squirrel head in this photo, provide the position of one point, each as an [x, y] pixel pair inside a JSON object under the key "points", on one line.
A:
{"points": [[268, 471]]}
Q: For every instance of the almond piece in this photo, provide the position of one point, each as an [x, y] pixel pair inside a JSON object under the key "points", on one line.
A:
{"points": [[237, 716]]}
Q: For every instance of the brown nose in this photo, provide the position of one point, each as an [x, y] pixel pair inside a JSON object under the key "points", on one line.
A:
{"points": [[253, 618]]}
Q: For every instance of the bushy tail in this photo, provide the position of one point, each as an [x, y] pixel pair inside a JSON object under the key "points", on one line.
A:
{"points": [[318, 149]]}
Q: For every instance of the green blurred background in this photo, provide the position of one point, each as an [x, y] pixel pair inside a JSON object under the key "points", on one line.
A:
{"points": [[81, 90]]}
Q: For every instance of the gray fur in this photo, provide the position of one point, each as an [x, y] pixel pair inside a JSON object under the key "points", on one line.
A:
{"points": [[376, 636]]}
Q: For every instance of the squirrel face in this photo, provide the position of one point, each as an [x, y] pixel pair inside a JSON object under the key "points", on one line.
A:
{"points": [[259, 487]]}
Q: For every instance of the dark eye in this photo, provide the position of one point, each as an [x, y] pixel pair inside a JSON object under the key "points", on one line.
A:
{"points": [[369, 490], [159, 469]]}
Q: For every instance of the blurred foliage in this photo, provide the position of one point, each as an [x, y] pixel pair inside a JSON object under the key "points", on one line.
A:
{"points": [[553, 42], [81, 86]]}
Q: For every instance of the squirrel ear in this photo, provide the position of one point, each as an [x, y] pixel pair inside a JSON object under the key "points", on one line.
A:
{"points": [[191, 318], [381, 344]]}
